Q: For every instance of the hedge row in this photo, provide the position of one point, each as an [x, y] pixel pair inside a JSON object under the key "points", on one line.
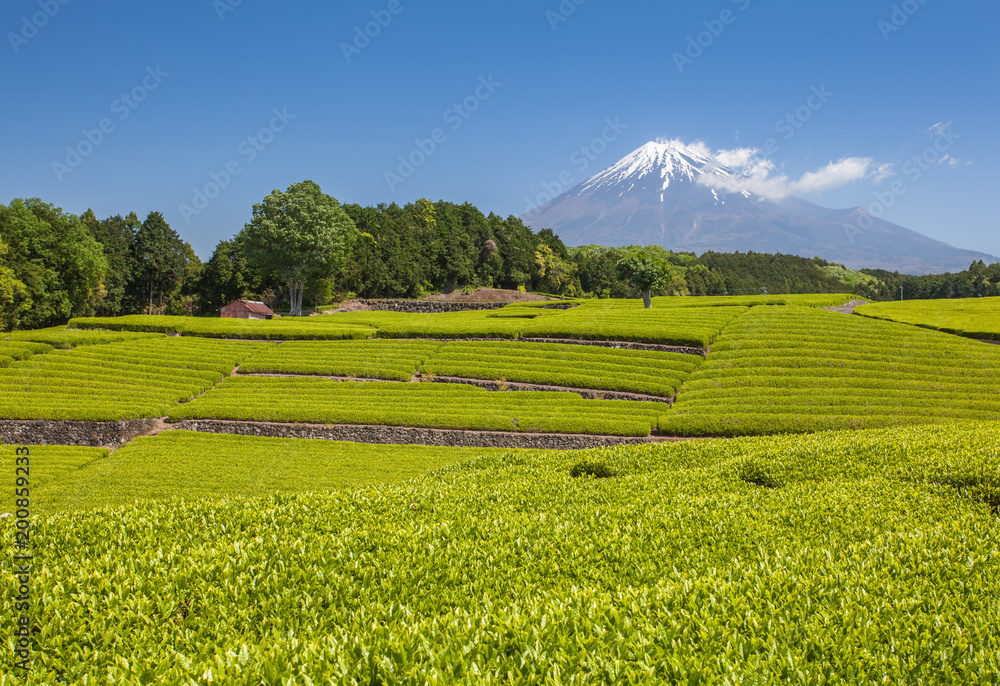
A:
{"points": [[323, 401], [970, 317], [797, 369], [116, 381], [373, 359], [575, 366]]}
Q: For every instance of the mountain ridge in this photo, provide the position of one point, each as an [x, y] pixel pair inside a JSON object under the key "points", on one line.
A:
{"points": [[659, 195]]}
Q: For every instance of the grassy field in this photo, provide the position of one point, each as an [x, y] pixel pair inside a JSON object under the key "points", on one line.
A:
{"points": [[189, 466], [788, 369], [970, 317], [837, 558]]}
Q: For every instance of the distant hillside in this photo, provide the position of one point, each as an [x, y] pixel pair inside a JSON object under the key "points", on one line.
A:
{"points": [[657, 195]]}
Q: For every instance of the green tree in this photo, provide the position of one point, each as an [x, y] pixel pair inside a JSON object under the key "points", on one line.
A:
{"points": [[161, 257], [117, 238], [644, 274], [226, 276], [554, 273], [54, 257], [297, 235], [13, 295]]}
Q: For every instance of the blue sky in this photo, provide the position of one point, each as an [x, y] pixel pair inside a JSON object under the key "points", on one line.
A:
{"points": [[511, 91]]}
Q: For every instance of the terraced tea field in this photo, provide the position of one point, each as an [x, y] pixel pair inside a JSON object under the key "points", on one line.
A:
{"points": [[788, 369], [838, 557], [370, 359], [845, 557], [550, 364], [969, 317], [574, 366], [443, 406], [672, 321], [115, 381]]}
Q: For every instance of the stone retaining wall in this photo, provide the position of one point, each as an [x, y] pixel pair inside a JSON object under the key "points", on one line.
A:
{"points": [[46, 432], [429, 306], [408, 436]]}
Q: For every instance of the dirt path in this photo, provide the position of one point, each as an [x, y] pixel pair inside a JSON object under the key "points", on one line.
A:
{"points": [[586, 393], [849, 307]]}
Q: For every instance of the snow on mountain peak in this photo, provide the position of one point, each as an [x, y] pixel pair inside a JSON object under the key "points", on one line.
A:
{"points": [[665, 160]]}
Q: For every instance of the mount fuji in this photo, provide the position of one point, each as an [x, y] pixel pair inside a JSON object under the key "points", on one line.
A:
{"points": [[683, 198]]}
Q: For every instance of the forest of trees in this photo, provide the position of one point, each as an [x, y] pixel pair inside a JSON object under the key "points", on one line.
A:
{"points": [[55, 265]]}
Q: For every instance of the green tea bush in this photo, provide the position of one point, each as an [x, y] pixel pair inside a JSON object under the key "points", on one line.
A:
{"points": [[373, 359], [794, 369], [861, 569], [574, 366], [444, 406], [596, 469], [65, 338], [970, 317], [131, 379], [326, 327]]}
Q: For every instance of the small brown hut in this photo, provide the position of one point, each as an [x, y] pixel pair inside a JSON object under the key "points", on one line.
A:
{"points": [[246, 309]]}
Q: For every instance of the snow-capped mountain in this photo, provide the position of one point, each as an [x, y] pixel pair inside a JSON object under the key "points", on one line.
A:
{"points": [[662, 194]]}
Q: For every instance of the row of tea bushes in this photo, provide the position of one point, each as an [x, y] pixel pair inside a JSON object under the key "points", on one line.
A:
{"points": [[796, 369], [837, 558], [970, 317], [442, 406], [574, 366], [116, 381]]}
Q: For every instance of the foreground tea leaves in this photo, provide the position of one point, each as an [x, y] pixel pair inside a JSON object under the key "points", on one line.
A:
{"points": [[874, 560]]}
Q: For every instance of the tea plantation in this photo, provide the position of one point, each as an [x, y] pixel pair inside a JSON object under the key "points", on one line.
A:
{"points": [[795, 369], [834, 521], [971, 317], [837, 558]]}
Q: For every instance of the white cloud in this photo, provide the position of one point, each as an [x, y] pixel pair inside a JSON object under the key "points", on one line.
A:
{"points": [[738, 158], [883, 172], [755, 174], [954, 162]]}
